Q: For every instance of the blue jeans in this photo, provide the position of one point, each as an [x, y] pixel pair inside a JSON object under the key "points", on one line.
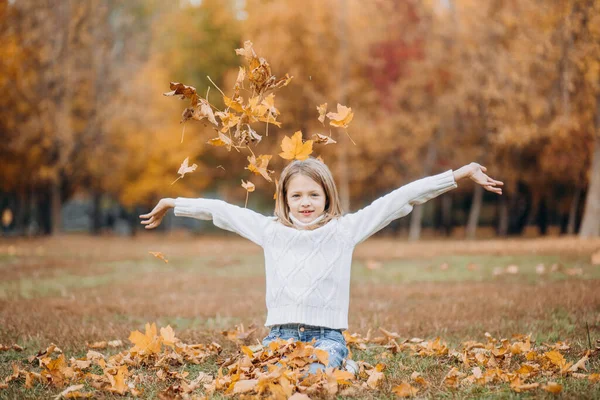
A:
{"points": [[330, 340]]}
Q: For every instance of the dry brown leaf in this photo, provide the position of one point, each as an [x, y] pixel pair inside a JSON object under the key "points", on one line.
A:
{"points": [[323, 139], [405, 390], [185, 169], [249, 186], [259, 166], [244, 386], [375, 379], [552, 387], [322, 109]]}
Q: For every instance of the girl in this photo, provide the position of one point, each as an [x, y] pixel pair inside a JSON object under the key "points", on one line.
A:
{"points": [[308, 245]]}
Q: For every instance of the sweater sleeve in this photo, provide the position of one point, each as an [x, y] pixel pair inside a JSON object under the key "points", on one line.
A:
{"points": [[396, 204], [242, 221]]}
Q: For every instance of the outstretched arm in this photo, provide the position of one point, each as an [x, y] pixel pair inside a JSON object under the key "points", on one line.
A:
{"points": [[155, 217], [242, 221], [369, 220]]}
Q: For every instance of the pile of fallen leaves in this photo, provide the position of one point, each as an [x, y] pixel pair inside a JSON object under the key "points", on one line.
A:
{"points": [[281, 370], [517, 362]]}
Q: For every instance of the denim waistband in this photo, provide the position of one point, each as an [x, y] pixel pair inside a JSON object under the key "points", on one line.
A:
{"points": [[306, 328]]}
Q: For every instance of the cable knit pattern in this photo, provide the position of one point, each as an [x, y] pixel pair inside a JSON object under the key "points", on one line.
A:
{"points": [[308, 271]]}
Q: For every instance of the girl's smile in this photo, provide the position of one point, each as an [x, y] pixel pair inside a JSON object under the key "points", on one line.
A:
{"points": [[305, 198]]}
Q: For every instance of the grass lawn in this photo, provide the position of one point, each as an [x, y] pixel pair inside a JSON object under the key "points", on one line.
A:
{"points": [[75, 290]]}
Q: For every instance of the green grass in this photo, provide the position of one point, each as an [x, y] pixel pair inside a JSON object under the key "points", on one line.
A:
{"points": [[429, 269]]}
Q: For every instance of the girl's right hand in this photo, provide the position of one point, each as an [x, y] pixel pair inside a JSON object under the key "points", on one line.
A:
{"points": [[154, 217]]}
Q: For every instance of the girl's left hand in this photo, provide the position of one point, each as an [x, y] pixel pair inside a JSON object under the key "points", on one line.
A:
{"points": [[478, 176]]}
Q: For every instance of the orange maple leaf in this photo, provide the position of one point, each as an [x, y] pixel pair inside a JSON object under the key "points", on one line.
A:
{"points": [[294, 149], [148, 343]]}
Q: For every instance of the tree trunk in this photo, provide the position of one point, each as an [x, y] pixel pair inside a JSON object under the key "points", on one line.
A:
{"points": [[96, 213], [590, 227], [447, 215], [502, 229], [416, 219], [55, 206], [573, 212], [474, 213], [542, 217]]}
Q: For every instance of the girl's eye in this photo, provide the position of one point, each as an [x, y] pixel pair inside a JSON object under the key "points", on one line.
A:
{"points": [[315, 195], [295, 195]]}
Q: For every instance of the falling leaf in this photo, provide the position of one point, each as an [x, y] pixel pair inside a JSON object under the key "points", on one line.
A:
{"points": [[179, 89], [323, 139], [259, 166], [221, 140], [239, 82], [160, 255], [322, 109], [249, 186], [184, 169], [294, 149], [342, 118], [405, 390]]}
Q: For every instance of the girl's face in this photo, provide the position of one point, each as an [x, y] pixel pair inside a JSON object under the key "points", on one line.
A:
{"points": [[305, 198]]}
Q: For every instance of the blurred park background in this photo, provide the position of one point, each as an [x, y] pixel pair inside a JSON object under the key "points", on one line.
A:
{"points": [[88, 141]]}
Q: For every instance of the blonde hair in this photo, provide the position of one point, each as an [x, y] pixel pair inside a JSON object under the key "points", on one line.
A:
{"points": [[318, 172]]}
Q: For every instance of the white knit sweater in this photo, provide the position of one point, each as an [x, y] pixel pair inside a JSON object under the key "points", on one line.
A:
{"points": [[308, 271]]}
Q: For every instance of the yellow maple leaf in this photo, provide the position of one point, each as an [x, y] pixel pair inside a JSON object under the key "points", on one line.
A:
{"points": [[342, 118], [294, 149], [148, 343], [168, 336], [117, 382]]}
